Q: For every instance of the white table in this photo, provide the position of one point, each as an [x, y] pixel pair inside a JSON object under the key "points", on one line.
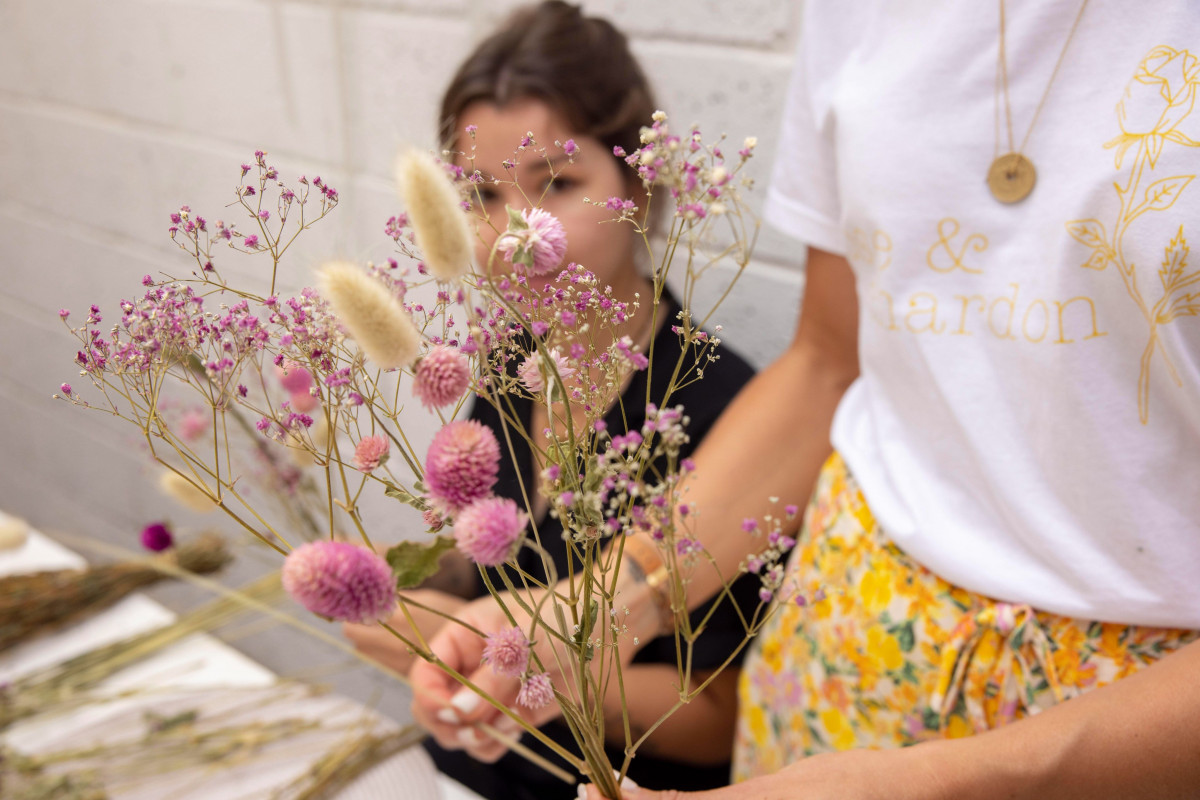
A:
{"points": [[191, 665]]}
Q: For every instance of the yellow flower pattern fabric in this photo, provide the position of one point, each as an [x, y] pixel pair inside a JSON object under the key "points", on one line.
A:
{"points": [[893, 655]]}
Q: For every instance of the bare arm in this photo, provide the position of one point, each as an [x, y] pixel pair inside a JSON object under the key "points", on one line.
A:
{"points": [[774, 437], [1137, 739], [700, 732]]}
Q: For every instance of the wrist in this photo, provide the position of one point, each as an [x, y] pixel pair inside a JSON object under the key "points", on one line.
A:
{"points": [[644, 587], [1006, 763]]}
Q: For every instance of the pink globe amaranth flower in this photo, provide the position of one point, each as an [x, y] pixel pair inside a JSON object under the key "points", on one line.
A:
{"points": [[508, 652], [536, 692], [462, 464], [157, 537], [442, 377], [531, 375], [340, 580], [488, 530], [370, 452], [541, 245], [294, 378], [193, 424], [304, 402]]}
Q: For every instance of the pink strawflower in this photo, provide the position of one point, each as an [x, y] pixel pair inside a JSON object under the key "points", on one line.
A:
{"points": [[508, 652], [487, 530], [303, 401], [294, 377], [370, 452], [157, 537], [192, 425], [532, 375], [536, 692], [340, 580], [442, 377], [540, 246], [462, 464]]}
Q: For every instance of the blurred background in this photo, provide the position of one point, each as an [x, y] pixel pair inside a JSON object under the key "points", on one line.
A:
{"points": [[114, 113]]}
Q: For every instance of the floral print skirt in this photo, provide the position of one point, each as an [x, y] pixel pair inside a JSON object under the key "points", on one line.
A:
{"points": [[893, 655]]}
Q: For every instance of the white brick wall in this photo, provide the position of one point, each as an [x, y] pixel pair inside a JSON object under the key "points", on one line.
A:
{"points": [[114, 113]]}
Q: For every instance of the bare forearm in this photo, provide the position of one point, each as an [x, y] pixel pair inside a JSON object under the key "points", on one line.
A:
{"points": [[379, 644], [1138, 738], [771, 442], [700, 732]]}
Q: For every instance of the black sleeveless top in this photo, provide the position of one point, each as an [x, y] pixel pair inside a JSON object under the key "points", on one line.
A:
{"points": [[515, 778]]}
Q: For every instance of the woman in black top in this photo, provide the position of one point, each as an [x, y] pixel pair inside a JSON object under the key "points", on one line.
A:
{"points": [[514, 777], [564, 77]]}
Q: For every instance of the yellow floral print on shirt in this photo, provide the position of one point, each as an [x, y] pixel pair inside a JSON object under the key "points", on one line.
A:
{"points": [[893, 655]]}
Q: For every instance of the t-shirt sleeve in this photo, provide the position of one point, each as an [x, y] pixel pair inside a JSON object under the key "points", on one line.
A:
{"points": [[803, 200]]}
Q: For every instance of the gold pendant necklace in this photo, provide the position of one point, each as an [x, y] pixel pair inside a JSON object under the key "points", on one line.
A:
{"points": [[1012, 175]]}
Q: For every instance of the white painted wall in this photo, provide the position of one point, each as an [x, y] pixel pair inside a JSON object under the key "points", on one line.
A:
{"points": [[113, 113]]}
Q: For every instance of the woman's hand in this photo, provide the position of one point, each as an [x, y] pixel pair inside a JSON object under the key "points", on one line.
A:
{"points": [[380, 645], [450, 711], [851, 775]]}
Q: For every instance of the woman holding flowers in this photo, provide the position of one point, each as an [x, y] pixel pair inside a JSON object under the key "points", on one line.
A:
{"points": [[551, 75], [999, 565]]}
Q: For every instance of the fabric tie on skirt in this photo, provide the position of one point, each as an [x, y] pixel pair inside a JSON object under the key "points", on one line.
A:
{"points": [[1003, 650]]}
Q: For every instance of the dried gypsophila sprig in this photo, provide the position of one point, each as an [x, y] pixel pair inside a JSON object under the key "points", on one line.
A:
{"points": [[192, 234]]}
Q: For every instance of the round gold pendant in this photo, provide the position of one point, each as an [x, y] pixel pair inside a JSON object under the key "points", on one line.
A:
{"points": [[1011, 178]]}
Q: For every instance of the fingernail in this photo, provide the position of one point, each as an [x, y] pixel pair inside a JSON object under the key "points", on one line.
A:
{"points": [[447, 716], [509, 726], [627, 783], [582, 792], [465, 701], [468, 736]]}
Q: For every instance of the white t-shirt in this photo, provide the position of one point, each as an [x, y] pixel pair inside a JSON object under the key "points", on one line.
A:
{"points": [[1027, 422]]}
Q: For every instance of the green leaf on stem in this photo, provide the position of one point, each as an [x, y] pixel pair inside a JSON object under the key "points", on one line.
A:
{"points": [[405, 496], [515, 221], [413, 563]]}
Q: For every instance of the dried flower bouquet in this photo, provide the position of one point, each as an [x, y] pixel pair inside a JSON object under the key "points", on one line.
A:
{"points": [[329, 374]]}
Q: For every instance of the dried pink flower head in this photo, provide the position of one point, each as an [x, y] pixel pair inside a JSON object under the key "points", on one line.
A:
{"points": [[534, 373], [462, 464], [193, 424], [294, 377], [157, 537], [340, 580], [535, 239], [370, 452], [487, 530], [442, 377], [303, 402], [508, 652], [536, 692]]}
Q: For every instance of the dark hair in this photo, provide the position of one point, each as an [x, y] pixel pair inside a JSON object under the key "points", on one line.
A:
{"points": [[579, 66]]}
